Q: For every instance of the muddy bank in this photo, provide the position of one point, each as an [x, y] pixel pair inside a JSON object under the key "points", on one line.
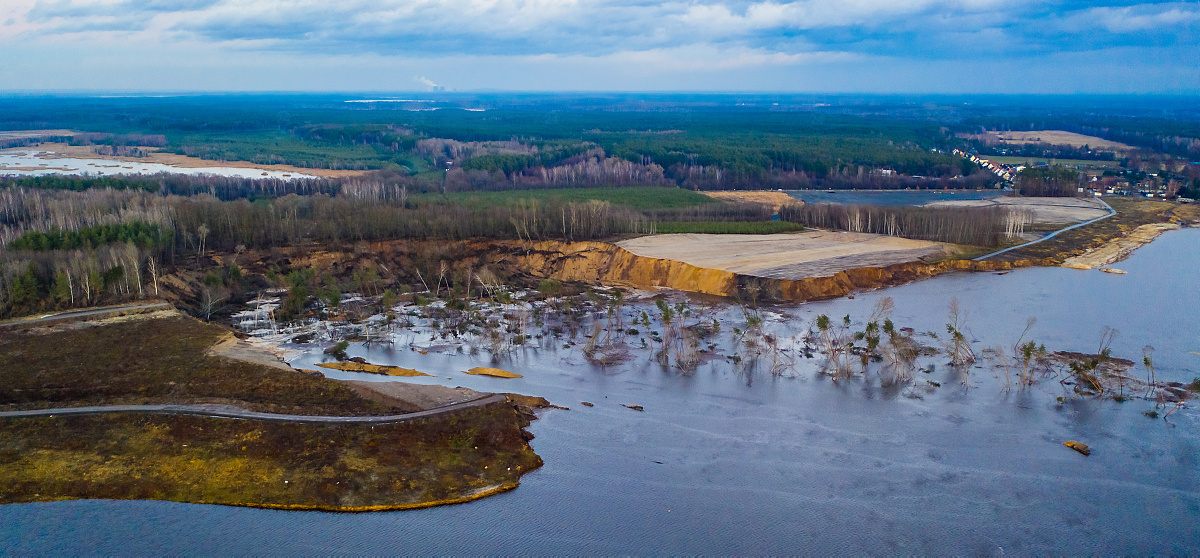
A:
{"points": [[597, 262]]}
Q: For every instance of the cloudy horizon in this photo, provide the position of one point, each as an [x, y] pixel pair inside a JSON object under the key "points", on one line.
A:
{"points": [[850, 46]]}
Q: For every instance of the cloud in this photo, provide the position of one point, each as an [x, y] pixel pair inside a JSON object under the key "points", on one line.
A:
{"points": [[685, 35]]}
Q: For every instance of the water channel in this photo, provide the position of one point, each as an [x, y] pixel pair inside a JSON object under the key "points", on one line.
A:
{"points": [[724, 461]]}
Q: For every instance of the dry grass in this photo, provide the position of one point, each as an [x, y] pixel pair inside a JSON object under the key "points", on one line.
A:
{"points": [[155, 361], [1131, 214], [1054, 137], [342, 467], [766, 197]]}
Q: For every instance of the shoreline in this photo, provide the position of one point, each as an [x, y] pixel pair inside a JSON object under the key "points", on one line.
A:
{"points": [[1120, 248]]}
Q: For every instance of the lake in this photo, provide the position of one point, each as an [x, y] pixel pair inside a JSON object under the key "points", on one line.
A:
{"points": [[728, 461]]}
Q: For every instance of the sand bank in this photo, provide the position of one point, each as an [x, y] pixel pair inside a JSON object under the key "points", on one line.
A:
{"points": [[1120, 248]]}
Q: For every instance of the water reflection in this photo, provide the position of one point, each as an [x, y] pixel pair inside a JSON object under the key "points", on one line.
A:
{"points": [[734, 459]]}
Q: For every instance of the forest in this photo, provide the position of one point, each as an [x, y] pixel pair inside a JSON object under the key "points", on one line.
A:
{"points": [[451, 167]]}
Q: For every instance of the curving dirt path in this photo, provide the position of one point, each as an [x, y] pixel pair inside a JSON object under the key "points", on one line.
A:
{"points": [[231, 412], [85, 313]]}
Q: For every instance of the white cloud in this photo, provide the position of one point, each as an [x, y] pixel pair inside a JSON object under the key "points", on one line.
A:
{"points": [[590, 43]]}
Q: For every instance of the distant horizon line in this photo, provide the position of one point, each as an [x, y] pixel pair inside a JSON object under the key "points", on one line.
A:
{"points": [[167, 93]]}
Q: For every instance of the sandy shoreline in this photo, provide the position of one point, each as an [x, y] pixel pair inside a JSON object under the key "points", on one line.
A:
{"points": [[1119, 248]]}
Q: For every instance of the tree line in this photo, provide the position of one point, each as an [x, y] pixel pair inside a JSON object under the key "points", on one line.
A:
{"points": [[143, 235], [976, 226], [1053, 181]]}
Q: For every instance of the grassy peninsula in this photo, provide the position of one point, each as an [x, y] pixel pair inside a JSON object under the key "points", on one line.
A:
{"points": [[162, 359]]}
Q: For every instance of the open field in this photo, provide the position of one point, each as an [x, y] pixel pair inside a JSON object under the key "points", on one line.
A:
{"points": [[155, 155], [1045, 210], [155, 360], [24, 134], [469, 452], [728, 227], [641, 198], [786, 256], [336, 467], [773, 198], [1054, 137]]}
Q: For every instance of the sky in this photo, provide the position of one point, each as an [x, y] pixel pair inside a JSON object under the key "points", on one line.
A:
{"points": [[822, 46]]}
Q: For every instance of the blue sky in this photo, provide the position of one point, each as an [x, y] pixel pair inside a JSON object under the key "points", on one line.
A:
{"points": [[902, 46]]}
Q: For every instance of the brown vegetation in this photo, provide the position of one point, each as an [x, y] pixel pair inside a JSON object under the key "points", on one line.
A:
{"points": [[155, 361], [334, 467], [1131, 213]]}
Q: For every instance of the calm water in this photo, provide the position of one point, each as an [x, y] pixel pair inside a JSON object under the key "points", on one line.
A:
{"points": [[723, 462], [889, 197], [25, 162]]}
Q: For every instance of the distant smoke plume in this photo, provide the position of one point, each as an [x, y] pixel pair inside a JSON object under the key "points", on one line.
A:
{"points": [[428, 83]]}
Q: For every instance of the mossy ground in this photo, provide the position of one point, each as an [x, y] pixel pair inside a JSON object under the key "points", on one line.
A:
{"points": [[155, 361], [238, 462], [330, 466]]}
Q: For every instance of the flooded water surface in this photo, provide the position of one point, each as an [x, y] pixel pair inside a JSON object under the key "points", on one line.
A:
{"points": [[735, 459]]}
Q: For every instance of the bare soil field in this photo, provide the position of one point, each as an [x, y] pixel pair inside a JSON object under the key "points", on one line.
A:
{"points": [[1053, 137], [787, 256], [55, 150], [1045, 210], [20, 134]]}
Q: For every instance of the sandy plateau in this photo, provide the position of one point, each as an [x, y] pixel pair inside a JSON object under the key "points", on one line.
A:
{"points": [[59, 150], [1045, 210], [786, 256]]}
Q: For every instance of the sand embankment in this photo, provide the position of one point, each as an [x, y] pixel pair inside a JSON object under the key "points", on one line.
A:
{"points": [[1119, 248], [787, 256], [153, 155], [609, 264], [412, 397]]}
